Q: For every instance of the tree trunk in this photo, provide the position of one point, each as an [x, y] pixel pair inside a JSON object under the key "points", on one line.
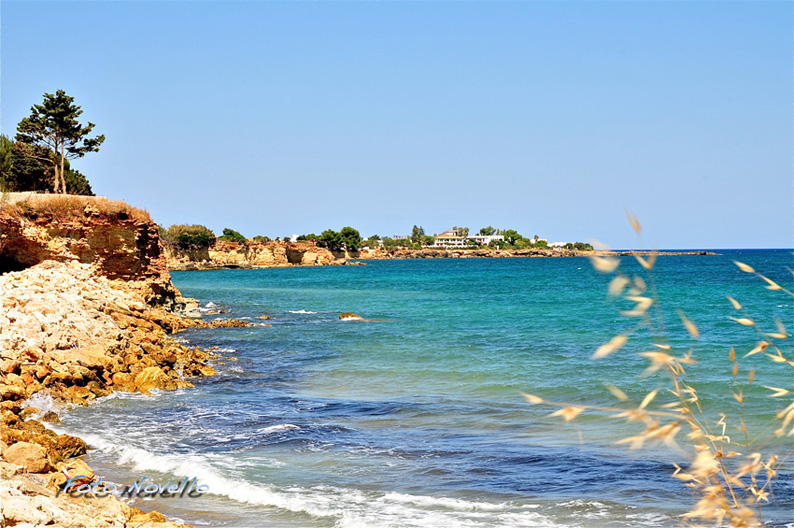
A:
{"points": [[63, 159], [56, 178]]}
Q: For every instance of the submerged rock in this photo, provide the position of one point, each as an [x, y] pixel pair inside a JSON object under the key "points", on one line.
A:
{"points": [[230, 323], [50, 416], [350, 316]]}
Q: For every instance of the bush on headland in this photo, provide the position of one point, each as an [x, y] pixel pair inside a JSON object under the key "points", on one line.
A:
{"points": [[579, 246], [348, 238], [188, 236], [230, 235]]}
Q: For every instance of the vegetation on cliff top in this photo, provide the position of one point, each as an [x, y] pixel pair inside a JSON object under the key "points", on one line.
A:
{"points": [[184, 236], [348, 238], [230, 235], [44, 143], [19, 173], [48, 208]]}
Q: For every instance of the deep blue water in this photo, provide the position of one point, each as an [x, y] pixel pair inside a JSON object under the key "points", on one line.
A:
{"points": [[414, 417]]}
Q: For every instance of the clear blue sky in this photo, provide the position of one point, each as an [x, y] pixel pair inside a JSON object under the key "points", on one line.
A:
{"points": [[551, 118]]}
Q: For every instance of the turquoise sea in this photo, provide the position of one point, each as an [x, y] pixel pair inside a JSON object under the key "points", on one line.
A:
{"points": [[414, 417]]}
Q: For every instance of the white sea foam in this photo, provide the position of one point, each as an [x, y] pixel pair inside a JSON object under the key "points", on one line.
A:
{"points": [[649, 519], [301, 312], [444, 502], [278, 428], [587, 509], [42, 401], [347, 508]]}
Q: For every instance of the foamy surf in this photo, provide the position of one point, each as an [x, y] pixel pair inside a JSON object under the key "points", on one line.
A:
{"points": [[278, 428], [346, 508], [301, 312]]}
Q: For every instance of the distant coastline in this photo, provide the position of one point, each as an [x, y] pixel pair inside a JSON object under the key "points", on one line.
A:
{"points": [[278, 254]]}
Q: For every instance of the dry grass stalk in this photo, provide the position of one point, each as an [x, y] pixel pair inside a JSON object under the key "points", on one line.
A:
{"points": [[72, 208], [732, 477]]}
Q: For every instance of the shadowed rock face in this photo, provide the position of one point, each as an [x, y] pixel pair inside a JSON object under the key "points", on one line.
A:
{"points": [[123, 249], [252, 255]]}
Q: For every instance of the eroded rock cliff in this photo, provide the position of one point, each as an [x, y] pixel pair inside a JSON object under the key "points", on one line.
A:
{"points": [[121, 242], [253, 255]]}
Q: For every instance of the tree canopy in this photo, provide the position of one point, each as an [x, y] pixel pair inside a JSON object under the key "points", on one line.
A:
{"points": [[52, 134], [417, 233], [348, 238], [21, 173], [230, 235]]}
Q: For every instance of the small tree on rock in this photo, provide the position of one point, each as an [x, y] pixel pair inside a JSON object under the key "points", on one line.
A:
{"points": [[52, 134]]}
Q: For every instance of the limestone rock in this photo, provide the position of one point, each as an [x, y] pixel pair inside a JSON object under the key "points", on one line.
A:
{"points": [[8, 470], [230, 323], [76, 467], [153, 378], [19, 510], [32, 457]]}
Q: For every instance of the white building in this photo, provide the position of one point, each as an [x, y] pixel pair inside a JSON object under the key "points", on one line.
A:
{"points": [[486, 240], [452, 239], [449, 239]]}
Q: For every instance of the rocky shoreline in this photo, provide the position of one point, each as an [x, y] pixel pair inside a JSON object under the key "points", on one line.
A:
{"points": [[67, 332], [86, 308]]}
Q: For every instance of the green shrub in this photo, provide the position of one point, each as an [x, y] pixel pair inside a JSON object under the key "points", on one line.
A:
{"points": [[230, 235], [579, 246], [189, 236], [261, 239]]}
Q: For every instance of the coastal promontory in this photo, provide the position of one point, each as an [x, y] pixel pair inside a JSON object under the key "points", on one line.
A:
{"points": [[86, 308]]}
